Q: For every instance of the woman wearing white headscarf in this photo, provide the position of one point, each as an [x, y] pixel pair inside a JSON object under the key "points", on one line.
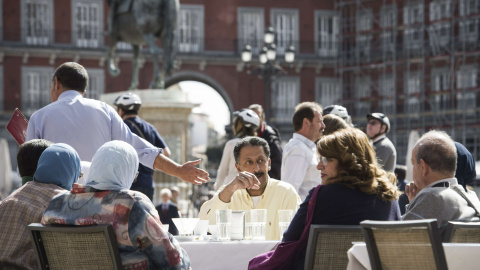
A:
{"points": [[106, 199]]}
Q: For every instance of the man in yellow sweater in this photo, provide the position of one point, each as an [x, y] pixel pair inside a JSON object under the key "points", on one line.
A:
{"points": [[252, 188]]}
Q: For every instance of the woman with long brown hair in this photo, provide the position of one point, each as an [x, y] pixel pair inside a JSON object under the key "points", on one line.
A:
{"points": [[354, 187]]}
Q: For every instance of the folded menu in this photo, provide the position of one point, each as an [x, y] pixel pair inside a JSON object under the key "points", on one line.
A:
{"points": [[17, 126]]}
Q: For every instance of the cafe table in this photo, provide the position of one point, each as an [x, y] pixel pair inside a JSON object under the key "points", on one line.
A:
{"points": [[232, 255], [458, 256]]}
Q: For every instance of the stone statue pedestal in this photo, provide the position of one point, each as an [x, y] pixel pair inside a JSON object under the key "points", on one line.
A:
{"points": [[168, 111]]}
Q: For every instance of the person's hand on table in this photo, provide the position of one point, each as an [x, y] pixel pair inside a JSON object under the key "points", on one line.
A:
{"points": [[244, 180]]}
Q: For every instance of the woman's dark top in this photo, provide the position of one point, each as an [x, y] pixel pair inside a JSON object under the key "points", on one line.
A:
{"points": [[339, 205]]}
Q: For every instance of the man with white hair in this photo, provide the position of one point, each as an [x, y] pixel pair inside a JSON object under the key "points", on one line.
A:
{"points": [[435, 192], [168, 210]]}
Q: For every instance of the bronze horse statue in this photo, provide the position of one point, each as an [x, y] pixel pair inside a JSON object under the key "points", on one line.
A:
{"points": [[139, 22]]}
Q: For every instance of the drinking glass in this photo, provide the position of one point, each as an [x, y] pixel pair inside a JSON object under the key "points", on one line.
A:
{"points": [[248, 225], [284, 219], [259, 223], [224, 224]]}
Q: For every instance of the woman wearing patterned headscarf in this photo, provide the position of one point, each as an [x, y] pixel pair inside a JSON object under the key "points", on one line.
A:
{"points": [[106, 199]]}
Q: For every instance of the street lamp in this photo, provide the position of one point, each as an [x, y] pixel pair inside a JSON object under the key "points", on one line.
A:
{"points": [[268, 68]]}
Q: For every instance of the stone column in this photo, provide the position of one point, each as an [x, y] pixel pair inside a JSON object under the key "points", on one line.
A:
{"points": [[168, 111]]}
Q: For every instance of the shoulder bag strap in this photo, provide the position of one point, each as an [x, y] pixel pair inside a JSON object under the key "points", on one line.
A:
{"points": [[136, 127], [311, 210]]}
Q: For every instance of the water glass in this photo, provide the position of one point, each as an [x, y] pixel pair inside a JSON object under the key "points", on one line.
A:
{"points": [[259, 223], [224, 224], [284, 219], [238, 225], [248, 225]]}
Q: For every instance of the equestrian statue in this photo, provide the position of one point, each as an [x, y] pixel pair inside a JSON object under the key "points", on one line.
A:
{"points": [[139, 22]]}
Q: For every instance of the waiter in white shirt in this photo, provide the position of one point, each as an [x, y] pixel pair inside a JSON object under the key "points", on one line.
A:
{"points": [[299, 154], [86, 124]]}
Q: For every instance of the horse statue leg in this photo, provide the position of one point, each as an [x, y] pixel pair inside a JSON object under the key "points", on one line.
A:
{"points": [[135, 67], [112, 68], [157, 82]]}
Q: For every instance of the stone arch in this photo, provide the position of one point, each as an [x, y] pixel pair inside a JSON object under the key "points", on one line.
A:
{"points": [[199, 77]]}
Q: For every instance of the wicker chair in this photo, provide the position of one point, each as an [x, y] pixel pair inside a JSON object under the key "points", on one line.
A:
{"points": [[77, 247], [328, 245], [404, 244], [462, 232]]}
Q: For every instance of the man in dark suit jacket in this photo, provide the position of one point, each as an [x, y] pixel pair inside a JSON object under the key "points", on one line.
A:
{"points": [[168, 210]]}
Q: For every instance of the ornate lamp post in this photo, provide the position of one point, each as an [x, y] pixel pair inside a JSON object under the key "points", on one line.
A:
{"points": [[268, 68]]}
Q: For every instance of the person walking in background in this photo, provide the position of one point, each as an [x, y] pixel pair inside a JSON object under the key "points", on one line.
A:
{"points": [[401, 173], [299, 164], [245, 123], [339, 111], [333, 123], [378, 126], [128, 106], [167, 210], [272, 136]]}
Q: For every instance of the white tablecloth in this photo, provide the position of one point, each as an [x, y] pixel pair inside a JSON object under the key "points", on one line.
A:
{"points": [[224, 255], [459, 256]]}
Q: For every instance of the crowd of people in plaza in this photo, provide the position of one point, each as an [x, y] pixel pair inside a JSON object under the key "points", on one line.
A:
{"points": [[84, 152]]}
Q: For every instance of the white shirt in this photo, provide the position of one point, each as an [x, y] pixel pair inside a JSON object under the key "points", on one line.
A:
{"points": [[299, 165], [85, 124], [226, 170]]}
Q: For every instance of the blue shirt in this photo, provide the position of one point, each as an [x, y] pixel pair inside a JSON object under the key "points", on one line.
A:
{"points": [[145, 174], [85, 124]]}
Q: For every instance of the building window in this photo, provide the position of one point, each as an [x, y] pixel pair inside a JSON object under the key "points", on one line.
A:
{"points": [[440, 9], [440, 85], [364, 23], [285, 96], [250, 28], [364, 20], [35, 88], [37, 22], [387, 91], [328, 91], [285, 23], [469, 7], [467, 77], [190, 28], [412, 91], [327, 33], [363, 85], [364, 43], [469, 30], [124, 46], [413, 17], [388, 23], [87, 22], [439, 35], [96, 82]]}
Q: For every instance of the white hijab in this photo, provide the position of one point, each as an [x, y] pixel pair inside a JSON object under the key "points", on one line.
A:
{"points": [[113, 167]]}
